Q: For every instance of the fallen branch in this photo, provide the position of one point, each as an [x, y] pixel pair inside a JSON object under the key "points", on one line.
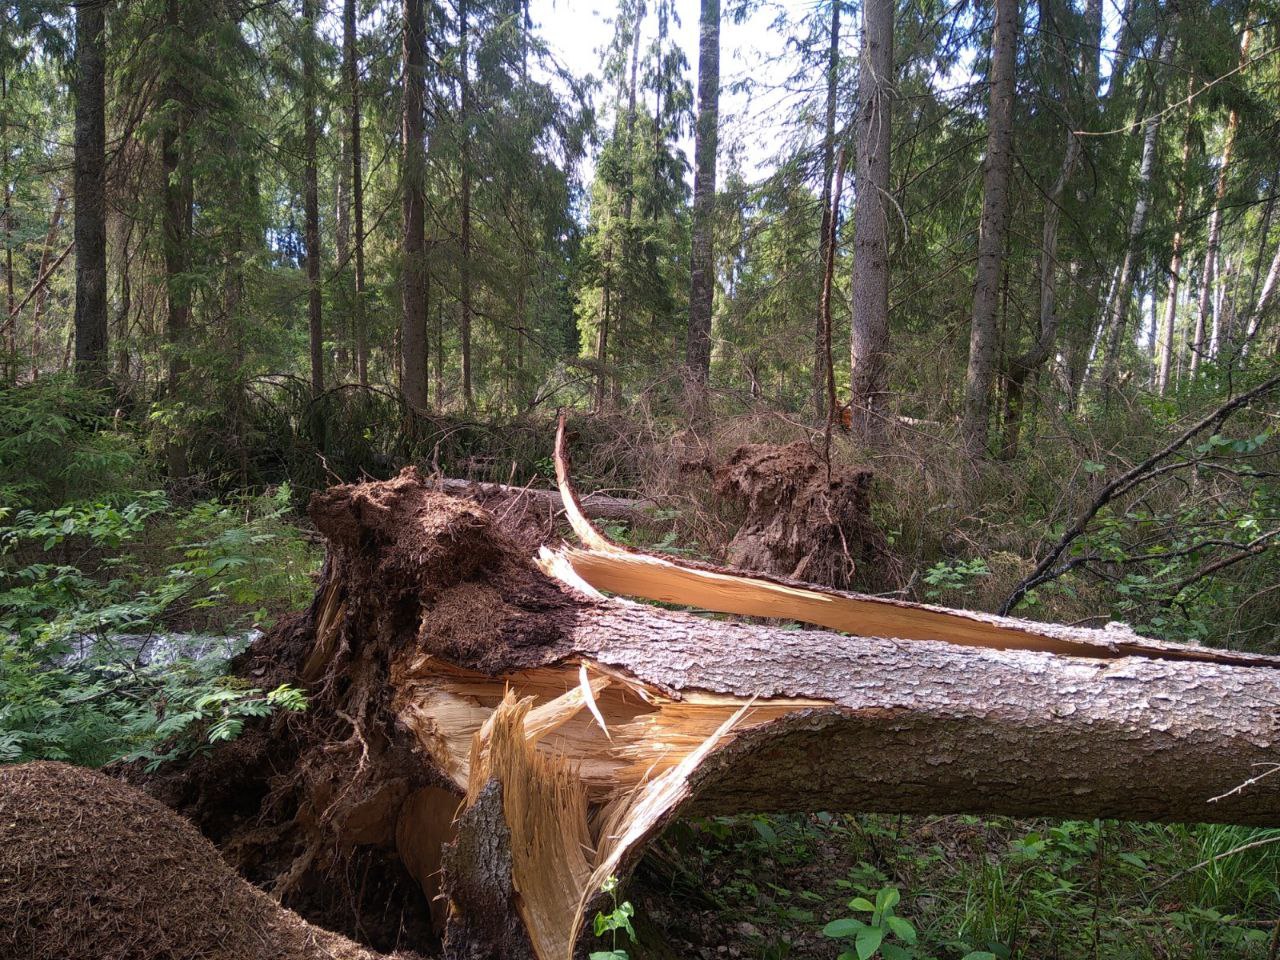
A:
{"points": [[1045, 570], [38, 286]]}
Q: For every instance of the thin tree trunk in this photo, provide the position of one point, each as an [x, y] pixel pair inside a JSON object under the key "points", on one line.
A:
{"points": [[824, 307], [1175, 264], [1264, 236], [413, 324], [7, 215], [311, 195], [42, 294], [602, 342], [824, 229], [342, 319], [350, 41], [983, 334], [1208, 275], [177, 191], [1118, 316], [1259, 309], [1024, 365], [869, 341], [703, 279], [464, 266]]}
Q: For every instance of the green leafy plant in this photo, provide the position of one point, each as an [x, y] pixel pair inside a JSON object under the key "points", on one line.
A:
{"points": [[97, 661], [878, 933], [618, 919], [951, 575]]}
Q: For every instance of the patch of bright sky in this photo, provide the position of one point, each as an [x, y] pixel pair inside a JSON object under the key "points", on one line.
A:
{"points": [[579, 31], [753, 125]]}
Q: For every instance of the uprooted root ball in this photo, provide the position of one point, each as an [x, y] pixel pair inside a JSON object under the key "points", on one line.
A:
{"points": [[805, 519]]}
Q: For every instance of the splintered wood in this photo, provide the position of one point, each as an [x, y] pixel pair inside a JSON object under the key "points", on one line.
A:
{"points": [[588, 770]]}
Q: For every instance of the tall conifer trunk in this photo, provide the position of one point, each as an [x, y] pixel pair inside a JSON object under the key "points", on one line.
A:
{"points": [[1024, 365], [828, 172], [703, 280], [983, 332], [1175, 264], [869, 343], [90, 193], [177, 188], [413, 323], [1209, 273], [311, 196], [464, 268], [350, 40]]}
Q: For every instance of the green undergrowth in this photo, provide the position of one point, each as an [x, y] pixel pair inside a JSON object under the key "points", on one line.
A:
{"points": [[962, 887], [120, 602]]}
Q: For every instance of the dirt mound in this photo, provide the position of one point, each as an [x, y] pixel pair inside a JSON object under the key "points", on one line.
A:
{"points": [[805, 519], [92, 868]]}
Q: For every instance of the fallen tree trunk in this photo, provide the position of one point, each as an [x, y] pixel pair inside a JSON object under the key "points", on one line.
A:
{"points": [[504, 738]]}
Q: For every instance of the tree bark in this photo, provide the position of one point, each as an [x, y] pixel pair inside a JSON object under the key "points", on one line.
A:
{"points": [[869, 343], [512, 725], [413, 323], [350, 41], [90, 193], [820, 349], [311, 195], [703, 278], [1208, 274], [983, 333], [1258, 310]]}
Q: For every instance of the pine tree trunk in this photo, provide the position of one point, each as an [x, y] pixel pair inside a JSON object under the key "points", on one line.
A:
{"points": [[311, 195], [350, 40], [176, 235], [90, 193], [413, 323], [703, 280], [983, 333], [42, 294], [10, 312], [869, 343], [824, 229]]}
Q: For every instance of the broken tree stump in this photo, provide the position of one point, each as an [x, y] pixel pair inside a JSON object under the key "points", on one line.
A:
{"points": [[501, 735]]}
